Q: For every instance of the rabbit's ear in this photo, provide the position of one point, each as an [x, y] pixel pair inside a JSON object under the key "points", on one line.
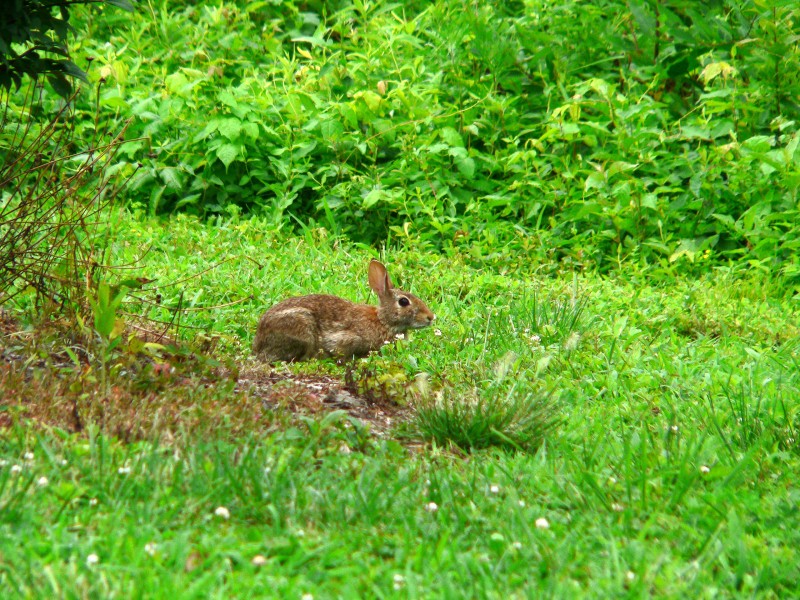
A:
{"points": [[379, 278]]}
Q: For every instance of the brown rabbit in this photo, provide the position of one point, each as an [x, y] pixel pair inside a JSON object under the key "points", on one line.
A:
{"points": [[323, 325]]}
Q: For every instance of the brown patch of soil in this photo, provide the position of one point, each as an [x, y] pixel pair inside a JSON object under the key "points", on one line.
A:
{"points": [[179, 393], [321, 393]]}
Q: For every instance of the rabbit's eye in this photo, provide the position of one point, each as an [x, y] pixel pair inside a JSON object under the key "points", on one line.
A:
{"points": [[403, 301]]}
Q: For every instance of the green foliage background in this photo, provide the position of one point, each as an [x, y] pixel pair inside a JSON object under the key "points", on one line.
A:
{"points": [[589, 132]]}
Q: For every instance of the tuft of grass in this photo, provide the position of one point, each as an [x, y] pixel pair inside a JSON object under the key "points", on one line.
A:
{"points": [[510, 421]]}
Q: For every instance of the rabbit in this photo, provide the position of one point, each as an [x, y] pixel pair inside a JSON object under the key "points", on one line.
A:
{"points": [[322, 325]]}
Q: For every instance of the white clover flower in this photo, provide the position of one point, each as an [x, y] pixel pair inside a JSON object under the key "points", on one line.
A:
{"points": [[398, 581], [542, 523], [494, 488], [42, 482], [630, 575], [516, 545], [704, 469], [617, 507], [259, 560], [674, 429], [536, 339], [16, 469], [64, 462], [92, 501], [400, 336], [300, 533], [522, 503], [28, 456], [124, 470], [3, 462], [612, 480], [307, 596], [222, 512], [151, 548], [431, 507], [92, 560], [437, 332]]}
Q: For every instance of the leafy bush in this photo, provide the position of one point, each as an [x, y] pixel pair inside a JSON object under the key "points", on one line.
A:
{"points": [[667, 136]]}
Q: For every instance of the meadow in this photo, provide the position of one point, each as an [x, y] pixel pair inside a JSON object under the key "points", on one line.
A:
{"points": [[606, 404], [668, 468]]}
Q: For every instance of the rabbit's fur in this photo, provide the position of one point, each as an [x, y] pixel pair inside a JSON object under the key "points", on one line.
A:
{"points": [[323, 325]]}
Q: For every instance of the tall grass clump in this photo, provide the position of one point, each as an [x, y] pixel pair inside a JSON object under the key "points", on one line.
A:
{"points": [[476, 421]]}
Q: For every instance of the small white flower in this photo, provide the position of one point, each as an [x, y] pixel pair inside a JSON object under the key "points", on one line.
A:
{"points": [[64, 462], [92, 501], [612, 480], [300, 533], [92, 560], [398, 581], [28, 456], [307, 596], [42, 482], [617, 507], [124, 470], [542, 523], [674, 429], [704, 469], [522, 503], [431, 507], [494, 488], [222, 512], [400, 336], [516, 545], [151, 548], [259, 560], [630, 575], [15, 469], [437, 332], [536, 339], [3, 462]]}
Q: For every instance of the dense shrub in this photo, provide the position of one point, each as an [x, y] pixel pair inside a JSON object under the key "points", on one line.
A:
{"points": [[590, 132]]}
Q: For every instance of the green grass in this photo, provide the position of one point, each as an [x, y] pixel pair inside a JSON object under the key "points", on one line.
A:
{"points": [[668, 469]]}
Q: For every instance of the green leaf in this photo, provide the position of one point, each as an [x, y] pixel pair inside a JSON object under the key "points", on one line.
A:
{"points": [[172, 178], [451, 137], [227, 153], [331, 130], [371, 199], [594, 180], [210, 128], [230, 128], [251, 130], [176, 84], [227, 98], [466, 166]]}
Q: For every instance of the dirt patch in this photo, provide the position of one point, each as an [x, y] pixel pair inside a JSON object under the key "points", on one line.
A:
{"points": [[182, 391], [314, 394]]}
